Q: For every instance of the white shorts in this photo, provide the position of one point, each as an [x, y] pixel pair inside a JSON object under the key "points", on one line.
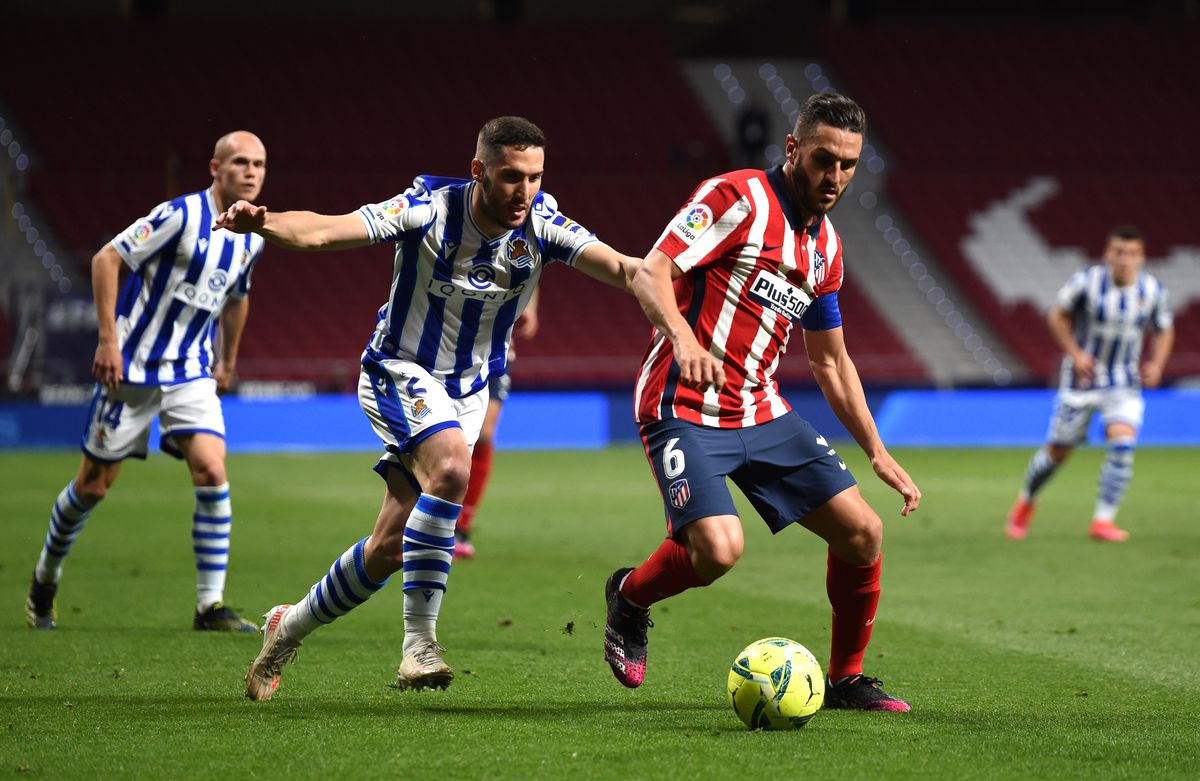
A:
{"points": [[1073, 410], [406, 405], [118, 425]]}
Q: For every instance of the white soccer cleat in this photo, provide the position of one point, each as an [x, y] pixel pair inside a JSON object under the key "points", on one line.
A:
{"points": [[423, 667], [267, 668]]}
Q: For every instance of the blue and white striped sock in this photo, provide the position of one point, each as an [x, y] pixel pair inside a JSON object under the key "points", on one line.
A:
{"points": [[67, 519], [1115, 475], [210, 542], [428, 551], [344, 587], [1040, 470]]}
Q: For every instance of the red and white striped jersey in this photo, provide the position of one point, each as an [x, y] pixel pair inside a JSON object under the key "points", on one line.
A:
{"points": [[751, 270]]}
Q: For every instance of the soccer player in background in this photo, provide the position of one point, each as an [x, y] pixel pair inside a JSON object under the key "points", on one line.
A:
{"points": [[469, 253], [751, 255], [1100, 320], [499, 387], [155, 357]]}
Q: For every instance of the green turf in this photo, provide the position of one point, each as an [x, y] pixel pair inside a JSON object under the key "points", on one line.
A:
{"points": [[1053, 658]]}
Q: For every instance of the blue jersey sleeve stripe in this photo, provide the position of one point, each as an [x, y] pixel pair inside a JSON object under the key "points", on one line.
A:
{"points": [[364, 214]]}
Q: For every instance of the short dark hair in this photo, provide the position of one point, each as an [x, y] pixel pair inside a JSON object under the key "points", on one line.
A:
{"points": [[832, 109], [516, 132], [1126, 233]]}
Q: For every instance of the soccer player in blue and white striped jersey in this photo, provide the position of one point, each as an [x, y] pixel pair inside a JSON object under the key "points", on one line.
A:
{"points": [[469, 253], [1101, 318], [155, 358]]}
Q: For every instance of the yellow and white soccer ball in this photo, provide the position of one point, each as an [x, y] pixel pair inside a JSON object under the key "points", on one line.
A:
{"points": [[776, 683]]}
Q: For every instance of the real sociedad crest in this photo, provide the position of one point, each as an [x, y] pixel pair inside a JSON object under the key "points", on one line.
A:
{"points": [[519, 254]]}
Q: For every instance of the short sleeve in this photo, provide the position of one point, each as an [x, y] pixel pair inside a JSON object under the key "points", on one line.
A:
{"points": [[251, 252], [562, 238], [145, 238], [1070, 294], [717, 211], [387, 220], [1162, 318]]}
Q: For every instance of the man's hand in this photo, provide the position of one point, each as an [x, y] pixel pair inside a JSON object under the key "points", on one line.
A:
{"points": [[242, 217], [108, 367], [226, 377], [1151, 375], [527, 324], [894, 475], [1085, 368], [698, 369]]}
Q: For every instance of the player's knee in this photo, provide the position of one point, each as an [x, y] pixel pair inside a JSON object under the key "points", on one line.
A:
{"points": [[448, 479], [208, 474], [712, 557], [94, 479], [92, 488], [1058, 453], [864, 539]]}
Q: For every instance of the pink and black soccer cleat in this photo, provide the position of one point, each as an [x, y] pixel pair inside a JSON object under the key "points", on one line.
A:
{"points": [[860, 692], [625, 634]]}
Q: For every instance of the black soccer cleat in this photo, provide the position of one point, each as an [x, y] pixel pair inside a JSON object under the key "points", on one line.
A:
{"points": [[625, 633], [218, 618], [39, 605], [861, 692]]}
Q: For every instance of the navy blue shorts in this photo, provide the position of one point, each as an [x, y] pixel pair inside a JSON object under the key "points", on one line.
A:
{"points": [[785, 468]]}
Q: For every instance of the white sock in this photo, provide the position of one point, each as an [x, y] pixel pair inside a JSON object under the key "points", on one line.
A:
{"points": [[67, 519], [428, 551], [210, 542]]}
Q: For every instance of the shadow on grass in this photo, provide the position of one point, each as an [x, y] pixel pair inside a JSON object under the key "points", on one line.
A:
{"points": [[203, 706]]}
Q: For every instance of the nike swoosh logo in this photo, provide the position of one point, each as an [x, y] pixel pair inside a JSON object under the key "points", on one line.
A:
{"points": [[771, 247]]}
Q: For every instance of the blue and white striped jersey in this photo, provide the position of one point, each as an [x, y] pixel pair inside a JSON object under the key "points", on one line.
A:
{"points": [[456, 294], [1110, 323], [168, 309]]}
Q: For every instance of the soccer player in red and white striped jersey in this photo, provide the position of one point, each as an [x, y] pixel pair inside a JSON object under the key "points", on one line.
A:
{"points": [[751, 255]]}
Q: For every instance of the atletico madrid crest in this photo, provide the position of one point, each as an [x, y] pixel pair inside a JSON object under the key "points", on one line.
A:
{"points": [[679, 493]]}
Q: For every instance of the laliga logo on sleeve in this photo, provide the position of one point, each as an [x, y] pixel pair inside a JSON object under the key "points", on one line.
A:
{"points": [[693, 221], [394, 206], [141, 232]]}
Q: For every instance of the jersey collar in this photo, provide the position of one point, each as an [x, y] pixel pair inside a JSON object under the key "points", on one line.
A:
{"points": [[784, 196]]}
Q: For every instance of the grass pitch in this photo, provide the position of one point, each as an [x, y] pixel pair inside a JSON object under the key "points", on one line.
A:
{"points": [[1055, 658]]}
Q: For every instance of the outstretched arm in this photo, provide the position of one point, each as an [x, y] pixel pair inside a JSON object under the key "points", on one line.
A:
{"points": [[602, 262], [839, 382], [296, 230], [652, 286]]}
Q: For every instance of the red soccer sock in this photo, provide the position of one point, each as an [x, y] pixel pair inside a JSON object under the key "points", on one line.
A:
{"points": [[666, 573], [481, 469], [854, 595]]}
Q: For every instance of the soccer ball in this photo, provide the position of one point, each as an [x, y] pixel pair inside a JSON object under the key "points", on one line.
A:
{"points": [[776, 683]]}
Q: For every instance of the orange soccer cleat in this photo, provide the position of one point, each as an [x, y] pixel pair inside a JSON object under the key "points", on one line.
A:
{"points": [[1107, 531], [1017, 525]]}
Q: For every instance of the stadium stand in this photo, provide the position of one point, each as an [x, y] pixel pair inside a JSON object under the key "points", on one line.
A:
{"points": [[1105, 111], [628, 142]]}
